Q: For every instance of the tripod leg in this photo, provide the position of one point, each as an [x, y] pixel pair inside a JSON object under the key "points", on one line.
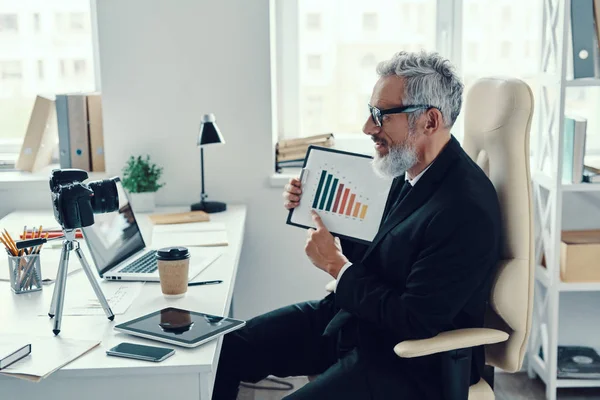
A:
{"points": [[94, 283], [64, 262], [61, 284]]}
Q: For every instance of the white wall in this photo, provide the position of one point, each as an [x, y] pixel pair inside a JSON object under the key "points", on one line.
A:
{"points": [[164, 64]]}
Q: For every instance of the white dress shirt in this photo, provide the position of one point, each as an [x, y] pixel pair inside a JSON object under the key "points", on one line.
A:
{"points": [[412, 182]]}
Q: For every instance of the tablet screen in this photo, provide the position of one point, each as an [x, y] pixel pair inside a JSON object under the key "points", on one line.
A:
{"points": [[183, 326]]}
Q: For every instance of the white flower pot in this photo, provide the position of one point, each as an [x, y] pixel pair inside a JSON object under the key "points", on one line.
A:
{"points": [[142, 202]]}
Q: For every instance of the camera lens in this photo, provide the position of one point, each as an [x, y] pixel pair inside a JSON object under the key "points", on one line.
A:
{"points": [[106, 197]]}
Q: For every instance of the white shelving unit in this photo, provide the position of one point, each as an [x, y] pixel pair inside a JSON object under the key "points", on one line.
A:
{"points": [[548, 197]]}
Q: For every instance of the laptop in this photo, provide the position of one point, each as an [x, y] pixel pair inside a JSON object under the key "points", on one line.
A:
{"points": [[118, 249]]}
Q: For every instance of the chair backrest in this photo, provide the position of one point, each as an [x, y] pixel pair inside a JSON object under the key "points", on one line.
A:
{"points": [[498, 113]]}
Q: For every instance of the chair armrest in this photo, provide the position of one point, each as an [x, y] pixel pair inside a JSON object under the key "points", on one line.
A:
{"points": [[330, 287], [451, 340]]}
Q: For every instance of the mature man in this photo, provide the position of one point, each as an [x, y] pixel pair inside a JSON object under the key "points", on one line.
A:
{"points": [[428, 270]]}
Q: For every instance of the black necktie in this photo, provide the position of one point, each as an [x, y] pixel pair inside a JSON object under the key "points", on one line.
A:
{"points": [[403, 193]]}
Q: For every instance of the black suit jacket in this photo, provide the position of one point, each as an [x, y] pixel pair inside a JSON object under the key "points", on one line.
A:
{"points": [[429, 268]]}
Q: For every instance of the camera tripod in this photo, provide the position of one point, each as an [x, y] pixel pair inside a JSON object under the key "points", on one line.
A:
{"points": [[58, 297]]}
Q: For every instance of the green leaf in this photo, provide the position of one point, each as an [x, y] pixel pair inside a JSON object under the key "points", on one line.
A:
{"points": [[140, 175]]}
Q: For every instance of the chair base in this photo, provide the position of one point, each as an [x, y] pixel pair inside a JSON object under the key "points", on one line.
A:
{"points": [[481, 391]]}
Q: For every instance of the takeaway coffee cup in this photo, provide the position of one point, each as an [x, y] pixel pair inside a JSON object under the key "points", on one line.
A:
{"points": [[173, 267]]}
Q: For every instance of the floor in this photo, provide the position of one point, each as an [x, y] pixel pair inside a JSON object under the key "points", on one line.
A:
{"points": [[508, 387]]}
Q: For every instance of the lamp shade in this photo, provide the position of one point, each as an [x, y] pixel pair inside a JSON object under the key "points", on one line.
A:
{"points": [[209, 132]]}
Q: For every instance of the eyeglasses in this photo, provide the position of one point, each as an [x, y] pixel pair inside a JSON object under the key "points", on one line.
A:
{"points": [[377, 114]]}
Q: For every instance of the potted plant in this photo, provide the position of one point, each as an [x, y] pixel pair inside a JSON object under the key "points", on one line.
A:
{"points": [[140, 179]]}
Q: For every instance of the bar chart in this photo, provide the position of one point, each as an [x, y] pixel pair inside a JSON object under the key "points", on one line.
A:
{"points": [[334, 196]]}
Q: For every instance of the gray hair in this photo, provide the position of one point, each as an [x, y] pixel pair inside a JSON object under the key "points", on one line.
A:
{"points": [[429, 79]]}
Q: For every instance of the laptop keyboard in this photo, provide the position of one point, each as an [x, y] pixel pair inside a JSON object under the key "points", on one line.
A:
{"points": [[143, 265]]}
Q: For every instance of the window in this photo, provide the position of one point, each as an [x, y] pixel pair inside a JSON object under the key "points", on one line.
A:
{"points": [[313, 21], [79, 67], [40, 69], [72, 22], [370, 21], [61, 62], [9, 23], [368, 61], [505, 50], [326, 80], [499, 43], [11, 70], [313, 62], [63, 68], [36, 22]]}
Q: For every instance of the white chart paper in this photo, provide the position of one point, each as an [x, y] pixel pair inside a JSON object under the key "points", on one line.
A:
{"points": [[120, 296], [345, 191]]}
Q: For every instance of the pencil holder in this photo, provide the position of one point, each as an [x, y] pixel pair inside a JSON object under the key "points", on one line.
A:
{"points": [[25, 273]]}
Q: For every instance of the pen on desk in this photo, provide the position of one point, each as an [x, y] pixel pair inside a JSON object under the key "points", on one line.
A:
{"points": [[204, 283]]}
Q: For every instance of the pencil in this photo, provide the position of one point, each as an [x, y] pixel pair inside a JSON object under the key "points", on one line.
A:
{"points": [[24, 232], [8, 248], [40, 232], [10, 243]]}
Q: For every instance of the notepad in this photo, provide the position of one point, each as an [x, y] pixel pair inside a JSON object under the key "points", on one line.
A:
{"points": [[12, 351], [191, 239]]}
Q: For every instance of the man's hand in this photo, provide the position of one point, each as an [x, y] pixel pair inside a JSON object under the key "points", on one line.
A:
{"points": [[324, 250], [292, 193]]}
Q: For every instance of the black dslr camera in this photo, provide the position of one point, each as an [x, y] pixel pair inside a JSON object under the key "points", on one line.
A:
{"points": [[75, 203]]}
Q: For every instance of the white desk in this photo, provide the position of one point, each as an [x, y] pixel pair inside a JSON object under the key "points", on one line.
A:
{"points": [[189, 374]]}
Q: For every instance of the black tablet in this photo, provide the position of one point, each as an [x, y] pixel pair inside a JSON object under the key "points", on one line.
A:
{"points": [[180, 327]]}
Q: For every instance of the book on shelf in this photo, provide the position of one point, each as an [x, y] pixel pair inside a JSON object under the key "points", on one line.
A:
{"points": [[573, 148], [295, 149], [304, 141]]}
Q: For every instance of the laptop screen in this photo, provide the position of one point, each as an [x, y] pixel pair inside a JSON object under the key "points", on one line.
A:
{"points": [[114, 236]]}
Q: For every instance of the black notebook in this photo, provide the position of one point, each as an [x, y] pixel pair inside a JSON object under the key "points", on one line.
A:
{"points": [[11, 353]]}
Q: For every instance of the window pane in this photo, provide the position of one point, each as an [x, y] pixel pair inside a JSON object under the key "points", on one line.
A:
{"points": [[45, 48], [337, 66], [502, 37]]}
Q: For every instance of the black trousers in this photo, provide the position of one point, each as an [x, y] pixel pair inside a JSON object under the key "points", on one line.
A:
{"points": [[289, 342]]}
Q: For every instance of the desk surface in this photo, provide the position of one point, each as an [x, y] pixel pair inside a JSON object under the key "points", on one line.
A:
{"points": [[18, 313]]}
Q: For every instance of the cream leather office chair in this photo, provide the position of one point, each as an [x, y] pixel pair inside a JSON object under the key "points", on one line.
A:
{"points": [[498, 114]]}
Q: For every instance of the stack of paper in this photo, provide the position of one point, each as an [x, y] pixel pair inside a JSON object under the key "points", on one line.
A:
{"points": [[190, 235], [48, 354]]}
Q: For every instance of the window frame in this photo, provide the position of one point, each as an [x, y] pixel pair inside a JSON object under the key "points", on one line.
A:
{"points": [[287, 58]]}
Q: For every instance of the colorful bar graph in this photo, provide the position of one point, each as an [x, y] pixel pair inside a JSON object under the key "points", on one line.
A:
{"points": [[356, 208], [319, 189], [338, 197], [332, 194], [325, 191], [363, 212], [350, 204]]}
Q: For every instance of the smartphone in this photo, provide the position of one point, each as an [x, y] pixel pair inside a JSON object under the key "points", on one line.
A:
{"points": [[141, 352]]}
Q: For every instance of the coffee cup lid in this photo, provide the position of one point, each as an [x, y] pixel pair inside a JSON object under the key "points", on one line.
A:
{"points": [[172, 253]]}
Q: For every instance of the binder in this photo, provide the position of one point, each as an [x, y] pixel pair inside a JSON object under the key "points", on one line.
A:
{"points": [[96, 133], [64, 141], [78, 131], [582, 34], [40, 137]]}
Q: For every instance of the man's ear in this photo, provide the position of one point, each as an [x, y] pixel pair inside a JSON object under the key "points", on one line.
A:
{"points": [[433, 121]]}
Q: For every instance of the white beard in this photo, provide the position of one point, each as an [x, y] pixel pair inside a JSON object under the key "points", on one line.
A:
{"points": [[399, 159]]}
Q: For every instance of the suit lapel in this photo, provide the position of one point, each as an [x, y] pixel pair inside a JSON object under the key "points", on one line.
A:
{"points": [[419, 194]]}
